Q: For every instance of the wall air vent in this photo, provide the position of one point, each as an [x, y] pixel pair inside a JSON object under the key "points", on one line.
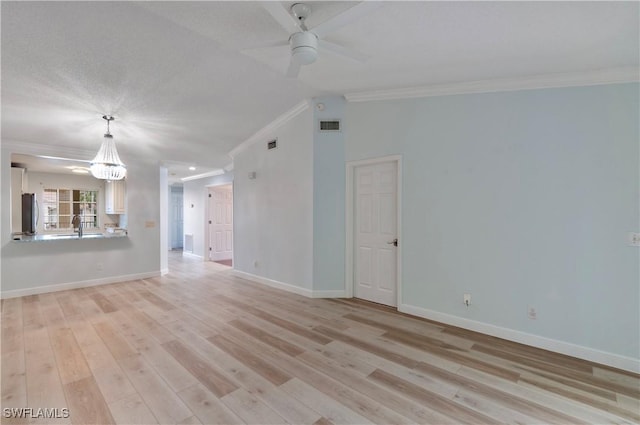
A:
{"points": [[329, 125], [272, 144]]}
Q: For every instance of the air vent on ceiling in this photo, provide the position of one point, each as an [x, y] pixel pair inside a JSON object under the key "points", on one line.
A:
{"points": [[329, 125], [272, 144]]}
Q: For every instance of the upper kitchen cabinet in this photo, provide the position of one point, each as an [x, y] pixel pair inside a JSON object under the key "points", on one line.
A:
{"points": [[115, 196]]}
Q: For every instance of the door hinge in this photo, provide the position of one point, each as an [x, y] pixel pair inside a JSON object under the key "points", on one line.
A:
{"points": [[209, 248], [209, 221], [209, 195]]}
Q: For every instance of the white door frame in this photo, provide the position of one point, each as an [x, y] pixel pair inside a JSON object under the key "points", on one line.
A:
{"points": [[350, 219], [206, 221]]}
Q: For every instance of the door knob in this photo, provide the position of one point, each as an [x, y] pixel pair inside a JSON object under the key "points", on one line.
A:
{"points": [[393, 242]]}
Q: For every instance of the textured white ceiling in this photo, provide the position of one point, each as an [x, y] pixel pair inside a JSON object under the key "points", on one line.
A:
{"points": [[185, 85]]}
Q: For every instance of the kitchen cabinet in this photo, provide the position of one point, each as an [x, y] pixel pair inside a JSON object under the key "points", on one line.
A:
{"points": [[115, 196]]}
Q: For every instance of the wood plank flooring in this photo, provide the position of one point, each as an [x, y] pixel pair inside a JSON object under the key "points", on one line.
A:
{"points": [[199, 346]]}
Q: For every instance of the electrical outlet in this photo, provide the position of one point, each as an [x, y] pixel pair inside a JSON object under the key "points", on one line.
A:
{"points": [[634, 239], [532, 313], [467, 299], [255, 263], [100, 266]]}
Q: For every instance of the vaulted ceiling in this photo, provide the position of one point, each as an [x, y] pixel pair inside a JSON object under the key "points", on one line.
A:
{"points": [[185, 83]]}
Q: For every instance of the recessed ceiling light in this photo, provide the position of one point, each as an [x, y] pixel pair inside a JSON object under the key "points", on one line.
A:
{"points": [[192, 168]]}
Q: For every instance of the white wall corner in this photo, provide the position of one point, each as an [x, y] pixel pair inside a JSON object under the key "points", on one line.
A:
{"points": [[273, 283], [263, 133], [75, 285], [579, 351], [543, 81]]}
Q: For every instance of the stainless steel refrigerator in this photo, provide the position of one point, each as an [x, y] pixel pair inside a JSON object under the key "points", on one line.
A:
{"points": [[29, 213]]}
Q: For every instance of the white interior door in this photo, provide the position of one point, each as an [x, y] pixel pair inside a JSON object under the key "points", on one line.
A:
{"points": [[375, 274], [221, 223]]}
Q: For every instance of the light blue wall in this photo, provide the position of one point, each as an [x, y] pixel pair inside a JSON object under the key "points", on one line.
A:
{"points": [[328, 198], [521, 199], [273, 213]]}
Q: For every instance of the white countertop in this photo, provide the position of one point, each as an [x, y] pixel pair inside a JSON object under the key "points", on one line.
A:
{"points": [[66, 237]]}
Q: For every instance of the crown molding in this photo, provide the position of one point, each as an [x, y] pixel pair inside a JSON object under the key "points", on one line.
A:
{"points": [[590, 78], [263, 133]]}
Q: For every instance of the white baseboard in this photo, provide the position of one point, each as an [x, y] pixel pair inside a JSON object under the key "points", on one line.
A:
{"points": [[164, 271], [574, 350], [288, 287], [192, 255], [273, 283], [340, 293], [75, 285]]}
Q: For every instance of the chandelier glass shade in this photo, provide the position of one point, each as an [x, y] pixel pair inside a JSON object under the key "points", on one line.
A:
{"points": [[107, 164]]}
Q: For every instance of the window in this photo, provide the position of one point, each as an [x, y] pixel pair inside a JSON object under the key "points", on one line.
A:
{"points": [[61, 205]]}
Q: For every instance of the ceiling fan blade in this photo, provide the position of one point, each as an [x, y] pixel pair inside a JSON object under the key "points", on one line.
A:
{"points": [[345, 18], [294, 69], [343, 51], [282, 16], [266, 45]]}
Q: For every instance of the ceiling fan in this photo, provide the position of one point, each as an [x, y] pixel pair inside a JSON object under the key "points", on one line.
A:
{"points": [[304, 42]]}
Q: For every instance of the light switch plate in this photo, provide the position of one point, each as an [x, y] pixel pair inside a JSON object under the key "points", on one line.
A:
{"points": [[634, 239]]}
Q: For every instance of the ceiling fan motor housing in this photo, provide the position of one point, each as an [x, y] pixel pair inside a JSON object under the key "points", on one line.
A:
{"points": [[304, 47]]}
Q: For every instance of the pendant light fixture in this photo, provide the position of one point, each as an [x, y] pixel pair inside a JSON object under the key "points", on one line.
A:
{"points": [[107, 164]]}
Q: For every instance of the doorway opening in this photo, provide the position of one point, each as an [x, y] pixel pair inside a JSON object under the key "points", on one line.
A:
{"points": [[373, 269], [176, 218], [219, 222]]}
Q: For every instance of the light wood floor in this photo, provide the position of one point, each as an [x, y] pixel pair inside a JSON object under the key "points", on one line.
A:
{"points": [[200, 346]]}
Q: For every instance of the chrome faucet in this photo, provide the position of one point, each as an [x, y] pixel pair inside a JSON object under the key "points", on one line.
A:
{"points": [[76, 220]]}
